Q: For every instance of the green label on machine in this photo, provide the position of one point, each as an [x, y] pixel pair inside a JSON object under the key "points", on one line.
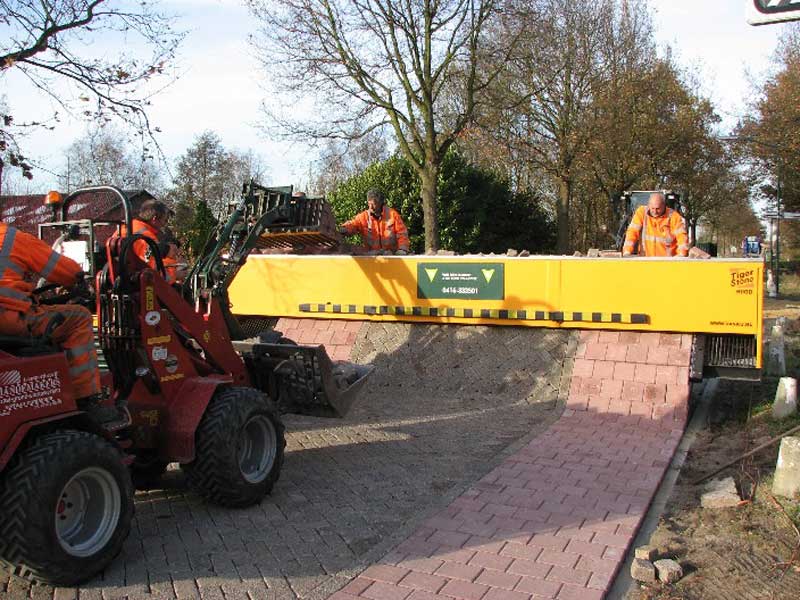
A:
{"points": [[469, 281]]}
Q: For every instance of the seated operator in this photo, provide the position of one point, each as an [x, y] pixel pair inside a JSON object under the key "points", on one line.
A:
{"points": [[381, 228], [659, 231]]}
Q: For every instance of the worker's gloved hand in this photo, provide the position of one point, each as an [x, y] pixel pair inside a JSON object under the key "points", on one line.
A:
{"points": [[401, 252], [83, 286], [341, 230]]}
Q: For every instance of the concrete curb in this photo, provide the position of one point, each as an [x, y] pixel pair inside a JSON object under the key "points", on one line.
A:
{"points": [[624, 583]]}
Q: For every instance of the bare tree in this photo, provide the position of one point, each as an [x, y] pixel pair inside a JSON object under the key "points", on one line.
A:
{"points": [[49, 42], [414, 67], [770, 133], [213, 175], [541, 106], [341, 160], [103, 156]]}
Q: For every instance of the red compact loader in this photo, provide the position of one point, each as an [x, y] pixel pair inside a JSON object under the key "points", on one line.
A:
{"points": [[186, 385]]}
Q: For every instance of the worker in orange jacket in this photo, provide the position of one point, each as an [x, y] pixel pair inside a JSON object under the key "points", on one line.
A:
{"points": [[381, 228], [23, 255], [152, 217], [659, 231]]}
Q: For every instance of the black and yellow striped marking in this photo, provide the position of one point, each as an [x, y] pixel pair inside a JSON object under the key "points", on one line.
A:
{"points": [[477, 313]]}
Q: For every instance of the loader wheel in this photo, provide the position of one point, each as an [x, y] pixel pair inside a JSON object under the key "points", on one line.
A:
{"points": [[239, 448], [66, 503]]}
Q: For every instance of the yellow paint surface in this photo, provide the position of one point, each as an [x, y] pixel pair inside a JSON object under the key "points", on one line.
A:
{"points": [[680, 295]]}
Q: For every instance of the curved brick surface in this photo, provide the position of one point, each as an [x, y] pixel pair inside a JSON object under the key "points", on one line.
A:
{"points": [[351, 489], [338, 336], [551, 520], [555, 519]]}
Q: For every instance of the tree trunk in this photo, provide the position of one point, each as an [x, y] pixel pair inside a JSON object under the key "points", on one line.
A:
{"points": [[429, 177], [693, 232], [562, 215]]}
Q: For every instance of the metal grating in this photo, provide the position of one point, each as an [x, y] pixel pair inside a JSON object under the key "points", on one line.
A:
{"points": [[288, 240], [730, 350], [252, 325]]}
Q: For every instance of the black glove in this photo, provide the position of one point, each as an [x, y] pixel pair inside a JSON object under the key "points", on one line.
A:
{"points": [[83, 286]]}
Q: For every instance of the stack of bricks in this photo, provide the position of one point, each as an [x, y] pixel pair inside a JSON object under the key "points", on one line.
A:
{"points": [[632, 373], [556, 518], [338, 336]]}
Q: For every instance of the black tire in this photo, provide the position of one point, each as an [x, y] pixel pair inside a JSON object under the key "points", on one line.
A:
{"points": [[238, 448], [48, 539]]}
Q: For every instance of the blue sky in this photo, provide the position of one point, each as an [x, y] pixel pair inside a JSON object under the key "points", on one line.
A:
{"points": [[220, 87]]}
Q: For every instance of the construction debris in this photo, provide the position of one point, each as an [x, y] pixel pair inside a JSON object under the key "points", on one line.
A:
{"points": [[785, 404], [669, 571], [512, 252], [720, 493], [787, 469], [646, 553], [776, 351], [643, 570], [696, 252]]}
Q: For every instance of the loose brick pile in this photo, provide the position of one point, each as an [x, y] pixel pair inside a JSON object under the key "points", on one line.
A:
{"points": [[555, 519]]}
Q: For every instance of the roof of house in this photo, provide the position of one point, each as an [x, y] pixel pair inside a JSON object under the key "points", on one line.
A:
{"points": [[27, 212]]}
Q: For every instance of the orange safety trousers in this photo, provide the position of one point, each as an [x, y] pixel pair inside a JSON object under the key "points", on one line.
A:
{"points": [[74, 336]]}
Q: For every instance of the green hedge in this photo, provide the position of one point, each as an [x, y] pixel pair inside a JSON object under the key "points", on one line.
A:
{"points": [[478, 212]]}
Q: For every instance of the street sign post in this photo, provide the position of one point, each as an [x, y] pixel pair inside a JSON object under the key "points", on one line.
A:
{"points": [[764, 12]]}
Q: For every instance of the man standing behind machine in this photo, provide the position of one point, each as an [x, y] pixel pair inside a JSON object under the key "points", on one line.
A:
{"points": [[658, 230], [381, 228]]}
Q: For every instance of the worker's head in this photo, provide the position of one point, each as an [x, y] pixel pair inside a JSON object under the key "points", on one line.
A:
{"points": [[375, 202], [154, 212], [657, 204]]}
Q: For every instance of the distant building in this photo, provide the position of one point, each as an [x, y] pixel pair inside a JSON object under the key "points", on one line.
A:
{"points": [[27, 212]]}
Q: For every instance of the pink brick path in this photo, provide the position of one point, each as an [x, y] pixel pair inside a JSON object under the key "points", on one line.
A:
{"points": [[338, 336], [555, 519]]}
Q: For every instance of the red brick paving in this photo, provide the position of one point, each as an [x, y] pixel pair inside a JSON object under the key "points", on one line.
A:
{"points": [[555, 519], [338, 336]]}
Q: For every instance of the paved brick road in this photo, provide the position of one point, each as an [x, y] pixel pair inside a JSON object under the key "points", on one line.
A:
{"points": [[445, 406], [555, 519]]}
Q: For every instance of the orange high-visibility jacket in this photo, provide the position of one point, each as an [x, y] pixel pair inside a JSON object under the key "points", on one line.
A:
{"points": [[657, 236], [22, 256], [143, 251], [387, 233]]}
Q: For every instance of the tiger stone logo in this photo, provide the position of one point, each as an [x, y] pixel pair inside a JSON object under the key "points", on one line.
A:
{"points": [[36, 391]]}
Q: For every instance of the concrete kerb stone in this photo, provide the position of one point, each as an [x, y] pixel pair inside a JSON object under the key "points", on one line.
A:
{"points": [[720, 493], [787, 470], [776, 350]]}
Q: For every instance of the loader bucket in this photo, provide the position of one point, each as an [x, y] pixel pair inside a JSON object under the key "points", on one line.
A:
{"points": [[307, 381]]}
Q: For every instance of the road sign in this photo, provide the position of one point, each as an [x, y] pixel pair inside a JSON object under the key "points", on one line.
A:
{"points": [[763, 12]]}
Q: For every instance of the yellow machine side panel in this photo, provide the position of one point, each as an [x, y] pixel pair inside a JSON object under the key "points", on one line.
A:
{"points": [[692, 296]]}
